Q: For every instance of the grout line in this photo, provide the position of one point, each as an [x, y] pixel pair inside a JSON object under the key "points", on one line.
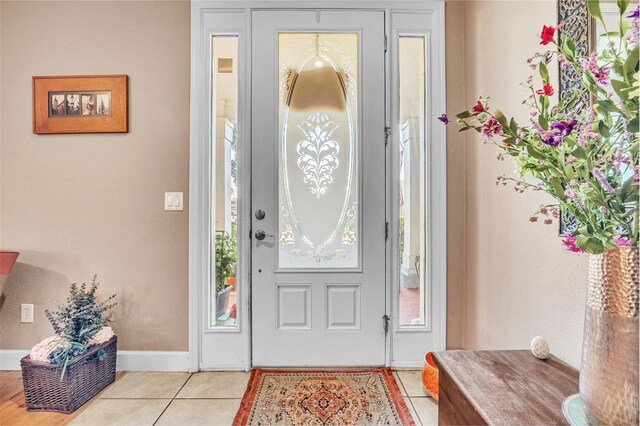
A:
{"points": [[415, 411], [208, 399], [173, 399]]}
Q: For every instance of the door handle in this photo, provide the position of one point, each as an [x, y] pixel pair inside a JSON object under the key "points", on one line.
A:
{"points": [[260, 234]]}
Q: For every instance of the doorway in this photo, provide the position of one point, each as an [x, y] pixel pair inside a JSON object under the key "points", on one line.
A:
{"points": [[311, 186], [318, 165]]}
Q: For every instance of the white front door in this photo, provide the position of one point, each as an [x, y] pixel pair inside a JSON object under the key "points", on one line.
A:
{"points": [[318, 188]]}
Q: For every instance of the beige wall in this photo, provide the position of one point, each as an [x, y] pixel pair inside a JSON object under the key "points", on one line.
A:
{"points": [[519, 281], [76, 205]]}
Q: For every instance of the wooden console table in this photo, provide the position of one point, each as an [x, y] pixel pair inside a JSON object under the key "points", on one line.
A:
{"points": [[502, 387]]}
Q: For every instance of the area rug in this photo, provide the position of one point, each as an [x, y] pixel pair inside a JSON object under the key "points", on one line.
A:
{"points": [[349, 397]]}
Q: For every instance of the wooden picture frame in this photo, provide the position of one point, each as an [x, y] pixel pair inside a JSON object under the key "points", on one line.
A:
{"points": [[80, 104]]}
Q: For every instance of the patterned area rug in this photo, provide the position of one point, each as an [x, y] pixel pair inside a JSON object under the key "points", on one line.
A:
{"points": [[350, 397]]}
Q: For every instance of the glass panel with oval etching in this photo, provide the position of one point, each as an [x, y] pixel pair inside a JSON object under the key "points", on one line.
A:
{"points": [[318, 155]]}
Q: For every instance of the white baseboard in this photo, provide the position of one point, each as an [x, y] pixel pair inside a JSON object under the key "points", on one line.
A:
{"points": [[223, 367], [411, 365], [10, 358], [127, 360]]}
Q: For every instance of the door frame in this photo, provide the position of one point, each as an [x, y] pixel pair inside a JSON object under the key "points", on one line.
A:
{"points": [[199, 165]]}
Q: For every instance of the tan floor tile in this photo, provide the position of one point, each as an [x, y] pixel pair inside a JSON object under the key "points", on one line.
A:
{"points": [[216, 412], [427, 410], [399, 382], [416, 420], [224, 384], [412, 382], [122, 412], [146, 385]]}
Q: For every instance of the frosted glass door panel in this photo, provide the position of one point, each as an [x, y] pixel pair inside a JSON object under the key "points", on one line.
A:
{"points": [[319, 148]]}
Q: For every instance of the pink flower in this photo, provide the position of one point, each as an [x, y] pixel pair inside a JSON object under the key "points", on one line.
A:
{"points": [[478, 108], [601, 74], [570, 244], [621, 241], [491, 128], [547, 90]]}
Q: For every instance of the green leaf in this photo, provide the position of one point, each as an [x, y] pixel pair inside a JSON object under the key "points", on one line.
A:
{"points": [[621, 88], [465, 114], [622, 5], [544, 123], [631, 64], [593, 6], [544, 100], [513, 126], [579, 152], [571, 46], [603, 129], [535, 153], [607, 105], [590, 244], [544, 72], [510, 140], [557, 188], [567, 46], [633, 126], [624, 26], [501, 119], [625, 190]]}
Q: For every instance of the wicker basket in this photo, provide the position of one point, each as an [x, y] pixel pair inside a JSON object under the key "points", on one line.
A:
{"points": [[86, 375]]}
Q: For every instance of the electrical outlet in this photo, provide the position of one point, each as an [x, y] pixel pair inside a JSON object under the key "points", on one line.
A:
{"points": [[26, 312]]}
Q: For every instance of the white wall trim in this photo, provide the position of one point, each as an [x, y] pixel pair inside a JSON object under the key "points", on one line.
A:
{"points": [[10, 358], [127, 360]]}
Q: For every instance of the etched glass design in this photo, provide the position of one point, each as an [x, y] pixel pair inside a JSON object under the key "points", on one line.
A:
{"points": [[412, 181], [318, 154]]}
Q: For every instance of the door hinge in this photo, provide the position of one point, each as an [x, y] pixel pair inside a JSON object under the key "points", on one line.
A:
{"points": [[385, 42], [387, 133], [385, 322], [386, 231]]}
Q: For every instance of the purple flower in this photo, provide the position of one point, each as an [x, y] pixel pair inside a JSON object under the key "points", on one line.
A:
{"points": [[564, 127], [444, 119], [600, 74], [602, 180], [635, 14], [552, 138]]}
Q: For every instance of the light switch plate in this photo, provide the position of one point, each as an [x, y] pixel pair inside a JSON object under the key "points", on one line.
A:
{"points": [[173, 201]]}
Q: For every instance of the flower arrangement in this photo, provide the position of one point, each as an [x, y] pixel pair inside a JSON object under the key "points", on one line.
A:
{"points": [[79, 324], [586, 160]]}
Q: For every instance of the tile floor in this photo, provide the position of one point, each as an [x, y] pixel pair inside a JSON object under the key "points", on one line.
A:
{"points": [[206, 399]]}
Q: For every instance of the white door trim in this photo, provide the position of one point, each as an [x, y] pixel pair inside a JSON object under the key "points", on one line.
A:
{"points": [[199, 167]]}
